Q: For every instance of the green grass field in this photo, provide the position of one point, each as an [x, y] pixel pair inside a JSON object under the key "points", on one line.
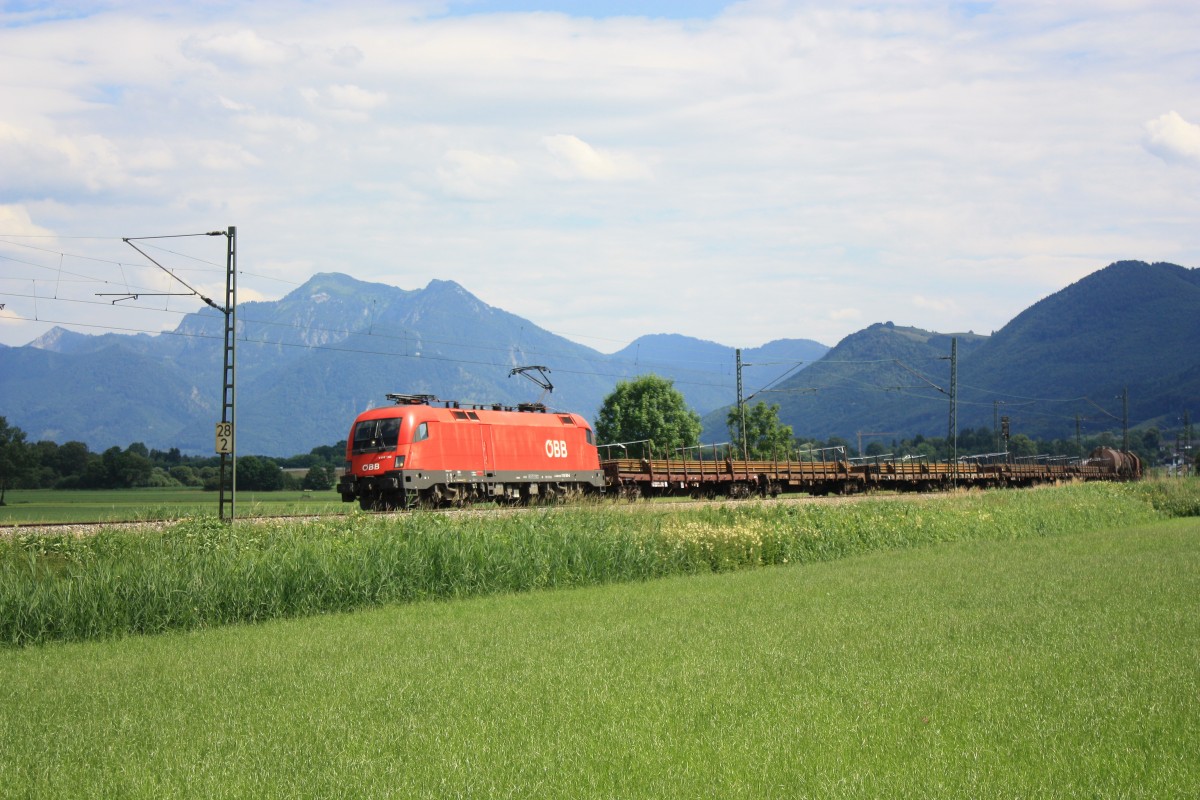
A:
{"points": [[40, 506], [1053, 665]]}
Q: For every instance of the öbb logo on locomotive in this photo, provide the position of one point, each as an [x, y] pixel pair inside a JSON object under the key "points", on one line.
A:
{"points": [[556, 448]]}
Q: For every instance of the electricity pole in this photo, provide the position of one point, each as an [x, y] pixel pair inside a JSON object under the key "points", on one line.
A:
{"points": [[741, 405], [953, 437], [1125, 418], [228, 382], [226, 430]]}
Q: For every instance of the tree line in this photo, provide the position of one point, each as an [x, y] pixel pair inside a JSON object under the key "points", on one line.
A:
{"points": [[72, 465]]}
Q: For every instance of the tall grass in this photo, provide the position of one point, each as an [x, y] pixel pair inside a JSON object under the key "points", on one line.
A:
{"points": [[1055, 667], [201, 573]]}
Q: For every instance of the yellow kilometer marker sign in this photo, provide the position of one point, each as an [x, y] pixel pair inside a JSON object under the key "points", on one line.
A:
{"points": [[224, 437]]}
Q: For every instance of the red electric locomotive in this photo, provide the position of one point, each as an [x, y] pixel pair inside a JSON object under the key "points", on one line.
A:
{"points": [[417, 453]]}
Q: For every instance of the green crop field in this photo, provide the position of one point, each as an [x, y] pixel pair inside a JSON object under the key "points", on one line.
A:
{"points": [[1011, 644], [40, 506]]}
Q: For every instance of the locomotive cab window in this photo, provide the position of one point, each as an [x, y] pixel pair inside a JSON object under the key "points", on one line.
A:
{"points": [[422, 432], [376, 435]]}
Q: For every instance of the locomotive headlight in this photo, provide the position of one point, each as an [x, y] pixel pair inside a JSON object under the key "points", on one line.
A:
{"points": [[399, 462], [349, 468]]}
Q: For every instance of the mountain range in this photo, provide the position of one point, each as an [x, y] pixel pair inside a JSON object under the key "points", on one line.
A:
{"points": [[309, 362]]}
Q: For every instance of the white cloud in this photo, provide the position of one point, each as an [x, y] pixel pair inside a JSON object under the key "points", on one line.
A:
{"points": [[356, 98], [347, 56], [472, 175], [15, 221], [233, 105], [272, 128], [243, 48], [32, 158], [575, 158], [345, 101], [223, 156], [1173, 139]]}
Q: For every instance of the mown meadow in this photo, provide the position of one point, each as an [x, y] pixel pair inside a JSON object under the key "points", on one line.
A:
{"points": [[1031, 644]]}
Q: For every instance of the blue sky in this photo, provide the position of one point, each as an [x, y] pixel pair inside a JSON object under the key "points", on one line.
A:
{"points": [[738, 172]]}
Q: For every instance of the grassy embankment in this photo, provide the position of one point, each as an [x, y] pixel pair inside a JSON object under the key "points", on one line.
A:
{"points": [[202, 573], [1026, 657]]}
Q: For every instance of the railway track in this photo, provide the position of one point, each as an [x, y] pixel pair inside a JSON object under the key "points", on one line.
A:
{"points": [[89, 528]]}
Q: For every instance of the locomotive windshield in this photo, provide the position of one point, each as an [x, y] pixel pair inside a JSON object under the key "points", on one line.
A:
{"points": [[376, 435]]}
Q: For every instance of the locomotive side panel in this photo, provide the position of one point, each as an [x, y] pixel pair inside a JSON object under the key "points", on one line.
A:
{"points": [[444, 444], [397, 458], [545, 443]]}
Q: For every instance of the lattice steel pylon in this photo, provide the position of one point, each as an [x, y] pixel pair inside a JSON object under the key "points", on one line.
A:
{"points": [[228, 379], [952, 437]]}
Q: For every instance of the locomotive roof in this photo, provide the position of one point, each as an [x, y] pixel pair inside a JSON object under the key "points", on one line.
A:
{"points": [[429, 400]]}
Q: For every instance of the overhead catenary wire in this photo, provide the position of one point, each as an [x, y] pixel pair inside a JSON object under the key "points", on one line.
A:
{"points": [[208, 301]]}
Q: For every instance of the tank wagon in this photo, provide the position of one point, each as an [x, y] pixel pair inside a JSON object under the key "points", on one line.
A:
{"points": [[1124, 465], [422, 452]]}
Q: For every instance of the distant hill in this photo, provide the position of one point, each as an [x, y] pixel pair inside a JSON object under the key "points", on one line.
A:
{"points": [[1073, 353], [1130, 324], [880, 379]]}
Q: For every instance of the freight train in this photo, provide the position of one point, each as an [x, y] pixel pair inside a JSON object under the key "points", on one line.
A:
{"points": [[422, 452]]}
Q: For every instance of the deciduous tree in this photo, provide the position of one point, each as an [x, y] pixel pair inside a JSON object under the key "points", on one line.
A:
{"points": [[766, 436], [16, 456], [651, 409]]}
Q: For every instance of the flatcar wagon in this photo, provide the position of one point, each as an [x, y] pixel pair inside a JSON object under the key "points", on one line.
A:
{"points": [[419, 452], [717, 477]]}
